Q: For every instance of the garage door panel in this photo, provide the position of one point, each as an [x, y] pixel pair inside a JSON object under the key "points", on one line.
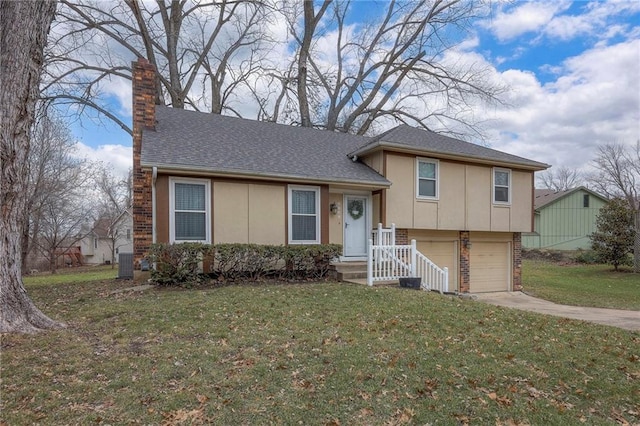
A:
{"points": [[490, 266]]}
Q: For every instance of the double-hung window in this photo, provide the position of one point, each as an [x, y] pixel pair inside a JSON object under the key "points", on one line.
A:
{"points": [[427, 178], [189, 218], [501, 186], [304, 216]]}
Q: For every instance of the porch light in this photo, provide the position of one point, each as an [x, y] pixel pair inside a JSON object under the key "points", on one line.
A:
{"points": [[333, 208]]}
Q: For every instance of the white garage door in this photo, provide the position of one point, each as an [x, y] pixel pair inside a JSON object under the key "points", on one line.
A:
{"points": [[443, 254], [490, 267]]}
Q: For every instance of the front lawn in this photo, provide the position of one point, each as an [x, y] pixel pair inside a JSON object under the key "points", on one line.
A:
{"points": [[310, 354], [582, 285], [73, 275]]}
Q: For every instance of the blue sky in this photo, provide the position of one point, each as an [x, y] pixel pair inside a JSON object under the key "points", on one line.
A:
{"points": [[573, 69]]}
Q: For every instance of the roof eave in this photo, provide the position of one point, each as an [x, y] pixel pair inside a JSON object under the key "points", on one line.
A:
{"points": [[368, 149], [567, 193], [278, 177]]}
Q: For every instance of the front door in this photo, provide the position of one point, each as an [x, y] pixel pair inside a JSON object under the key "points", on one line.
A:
{"points": [[355, 225]]}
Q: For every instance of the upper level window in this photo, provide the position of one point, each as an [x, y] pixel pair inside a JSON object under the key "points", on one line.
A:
{"points": [[502, 186], [427, 179], [304, 218], [585, 200], [189, 218]]}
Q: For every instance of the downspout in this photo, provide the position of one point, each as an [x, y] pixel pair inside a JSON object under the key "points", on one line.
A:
{"points": [[154, 176]]}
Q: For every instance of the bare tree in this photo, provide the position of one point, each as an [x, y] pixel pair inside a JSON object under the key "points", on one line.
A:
{"points": [[202, 51], [62, 225], [60, 192], [559, 179], [392, 68], [54, 172], [115, 199], [23, 35], [618, 176]]}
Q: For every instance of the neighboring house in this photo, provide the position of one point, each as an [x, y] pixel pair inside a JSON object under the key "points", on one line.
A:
{"points": [[106, 239], [217, 179], [564, 219]]}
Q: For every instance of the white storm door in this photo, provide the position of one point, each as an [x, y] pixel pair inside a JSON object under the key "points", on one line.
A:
{"points": [[355, 225]]}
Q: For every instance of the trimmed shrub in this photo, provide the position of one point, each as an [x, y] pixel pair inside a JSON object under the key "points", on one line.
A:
{"points": [[177, 264], [181, 264], [588, 257]]}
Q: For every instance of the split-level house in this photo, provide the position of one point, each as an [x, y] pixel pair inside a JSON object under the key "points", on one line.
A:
{"points": [[218, 179]]}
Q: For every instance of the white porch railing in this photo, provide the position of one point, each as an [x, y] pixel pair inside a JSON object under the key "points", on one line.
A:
{"points": [[388, 262], [384, 236], [432, 276], [392, 262]]}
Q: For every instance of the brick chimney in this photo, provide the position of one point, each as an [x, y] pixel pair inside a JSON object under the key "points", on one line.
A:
{"points": [[144, 117]]}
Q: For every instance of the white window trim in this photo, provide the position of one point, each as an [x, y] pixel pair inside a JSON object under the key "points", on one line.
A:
{"points": [[437, 164], [493, 186], [290, 190], [207, 207]]}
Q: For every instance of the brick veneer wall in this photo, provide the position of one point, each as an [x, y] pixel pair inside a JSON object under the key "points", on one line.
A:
{"points": [[402, 237], [517, 261], [465, 276], [144, 117]]}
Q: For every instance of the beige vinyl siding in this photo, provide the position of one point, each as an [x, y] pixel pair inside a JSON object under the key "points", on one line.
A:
{"points": [[266, 210], [375, 161], [464, 198], [248, 213]]}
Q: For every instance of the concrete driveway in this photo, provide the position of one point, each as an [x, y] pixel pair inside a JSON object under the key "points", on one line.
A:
{"points": [[629, 320]]}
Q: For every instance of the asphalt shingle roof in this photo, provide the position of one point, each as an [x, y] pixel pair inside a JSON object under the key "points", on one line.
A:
{"points": [[217, 143], [430, 142], [543, 197]]}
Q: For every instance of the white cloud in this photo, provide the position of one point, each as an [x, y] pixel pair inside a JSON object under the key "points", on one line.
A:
{"points": [[595, 100], [117, 158], [548, 19], [526, 17]]}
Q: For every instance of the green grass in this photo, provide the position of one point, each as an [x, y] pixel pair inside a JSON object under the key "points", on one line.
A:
{"points": [[310, 354], [73, 275], [582, 285]]}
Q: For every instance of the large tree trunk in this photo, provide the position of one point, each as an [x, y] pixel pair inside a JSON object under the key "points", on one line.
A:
{"points": [[23, 33], [310, 23]]}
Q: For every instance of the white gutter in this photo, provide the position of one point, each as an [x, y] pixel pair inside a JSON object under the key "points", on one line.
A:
{"points": [[154, 176]]}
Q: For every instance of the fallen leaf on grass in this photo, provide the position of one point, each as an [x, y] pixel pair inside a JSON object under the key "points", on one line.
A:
{"points": [[193, 417], [402, 416], [619, 418], [364, 412]]}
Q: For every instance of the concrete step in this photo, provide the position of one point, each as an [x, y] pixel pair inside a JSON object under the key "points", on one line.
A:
{"points": [[350, 275], [363, 281], [349, 266]]}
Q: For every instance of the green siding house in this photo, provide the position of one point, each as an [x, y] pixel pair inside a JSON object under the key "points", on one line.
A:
{"points": [[563, 220]]}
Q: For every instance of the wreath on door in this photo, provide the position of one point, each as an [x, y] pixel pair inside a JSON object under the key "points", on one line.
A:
{"points": [[355, 209]]}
